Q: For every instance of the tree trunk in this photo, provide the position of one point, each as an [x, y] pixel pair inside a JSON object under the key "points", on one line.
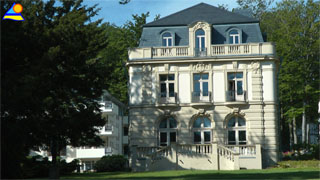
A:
{"points": [[290, 135], [54, 169], [303, 124], [295, 140]]}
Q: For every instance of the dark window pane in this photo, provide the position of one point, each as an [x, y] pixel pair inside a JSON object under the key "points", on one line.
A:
{"points": [[239, 88], [241, 122], [205, 76], [237, 40], [164, 42], [171, 77], [173, 123], [231, 137], [196, 89], [197, 43], [231, 85], [231, 40], [197, 137], [163, 124], [230, 75], [171, 90], [173, 136], [207, 122], [202, 44], [196, 77], [197, 123], [242, 136], [163, 89], [170, 42], [199, 32], [239, 75], [234, 32], [166, 34], [207, 136], [163, 77], [231, 122], [205, 89], [163, 138]]}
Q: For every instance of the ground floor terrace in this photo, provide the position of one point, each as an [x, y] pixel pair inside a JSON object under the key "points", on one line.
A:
{"points": [[207, 137]]}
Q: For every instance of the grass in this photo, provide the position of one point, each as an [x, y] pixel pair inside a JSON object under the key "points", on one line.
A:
{"points": [[312, 172]]}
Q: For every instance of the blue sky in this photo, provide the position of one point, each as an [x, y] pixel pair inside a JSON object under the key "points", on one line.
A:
{"points": [[113, 12]]}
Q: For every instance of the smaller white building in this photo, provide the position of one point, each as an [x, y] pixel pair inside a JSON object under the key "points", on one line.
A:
{"points": [[114, 133]]}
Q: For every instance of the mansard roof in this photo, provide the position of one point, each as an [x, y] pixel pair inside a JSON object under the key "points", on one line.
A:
{"points": [[201, 12]]}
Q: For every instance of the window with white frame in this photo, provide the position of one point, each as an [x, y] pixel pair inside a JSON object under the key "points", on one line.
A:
{"points": [[234, 36], [167, 39], [201, 86], [236, 131], [200, 40], [235, 86], [167, 131], [167, 85], [202, 130]]}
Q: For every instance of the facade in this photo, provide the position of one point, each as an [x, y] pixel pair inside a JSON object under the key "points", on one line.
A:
{"points": [[202, 93], [114, 134]]}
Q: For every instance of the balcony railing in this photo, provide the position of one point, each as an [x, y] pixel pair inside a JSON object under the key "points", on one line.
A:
{"points": [[265, 48], [201, 97], [200, 52], [164, 99], [234, 96]]}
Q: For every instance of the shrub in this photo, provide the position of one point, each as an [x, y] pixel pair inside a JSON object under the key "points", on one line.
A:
{"points": [[111, 163], [67, 168]]}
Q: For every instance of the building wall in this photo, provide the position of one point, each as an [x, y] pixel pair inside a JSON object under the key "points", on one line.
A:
{"points": [[260, 111]]}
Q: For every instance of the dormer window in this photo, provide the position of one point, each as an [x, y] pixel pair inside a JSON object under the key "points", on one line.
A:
{"points": [[234, 37], [167, 39], [200, 48]]}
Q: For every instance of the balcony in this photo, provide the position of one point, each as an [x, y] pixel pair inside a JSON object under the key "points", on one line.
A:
{"points": [[201, 98], [91, 153], [107, 130], [234, 97], [249, 49], [171, 99], [106, 106]]}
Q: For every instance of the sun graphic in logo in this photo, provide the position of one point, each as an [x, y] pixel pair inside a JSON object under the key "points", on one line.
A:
{"points": [[17, 8], [14, 13]]}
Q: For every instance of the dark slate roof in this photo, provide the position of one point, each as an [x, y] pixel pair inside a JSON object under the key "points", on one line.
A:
{"points": [[201, 12]]}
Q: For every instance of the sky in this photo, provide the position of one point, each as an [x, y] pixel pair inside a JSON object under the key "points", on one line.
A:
{"points": [[113, 12]]}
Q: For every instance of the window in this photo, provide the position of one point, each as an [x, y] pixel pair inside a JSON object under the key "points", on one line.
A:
{"points": [[167, 85], [168, 131], [125, 131], [236, 131], [108, 105], [200, 87], [234, 37], [235, 86], [200, 48], [202, 130], [167, 39]]}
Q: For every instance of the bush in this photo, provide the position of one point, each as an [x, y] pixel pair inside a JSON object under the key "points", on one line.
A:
{"points": [[111, 163], [67, 168]]}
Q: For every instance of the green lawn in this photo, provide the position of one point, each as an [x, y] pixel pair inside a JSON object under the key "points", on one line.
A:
{"points": [[273, 173]]}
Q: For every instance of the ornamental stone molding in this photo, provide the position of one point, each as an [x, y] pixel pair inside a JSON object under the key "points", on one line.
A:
{"points": [[201, 25], [255, 67], [200, 67], [146, 68]]}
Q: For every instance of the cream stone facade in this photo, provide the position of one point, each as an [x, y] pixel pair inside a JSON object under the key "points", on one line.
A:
{"points": [[203, 105]]}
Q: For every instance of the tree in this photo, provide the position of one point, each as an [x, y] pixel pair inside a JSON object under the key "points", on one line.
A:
{"points": [[257, 7], [294, 27], [51, 80]]}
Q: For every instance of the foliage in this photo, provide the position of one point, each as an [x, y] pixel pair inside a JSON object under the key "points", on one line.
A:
{"points": [[273, 173], [256, 7], [51, 80], [36, 166], [111, 163]]}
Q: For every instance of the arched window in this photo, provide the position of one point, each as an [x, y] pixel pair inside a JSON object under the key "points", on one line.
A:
{"points": [[202, 130], [234, 37], [167, 39], [167, 131], [236, 131], [200, 40]]}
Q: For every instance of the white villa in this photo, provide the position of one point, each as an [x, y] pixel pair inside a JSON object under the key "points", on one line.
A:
{"points": [[203, 93], [114, 134]]}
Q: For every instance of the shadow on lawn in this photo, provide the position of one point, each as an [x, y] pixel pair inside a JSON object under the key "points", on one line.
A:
{"points": [[209, 175]]}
